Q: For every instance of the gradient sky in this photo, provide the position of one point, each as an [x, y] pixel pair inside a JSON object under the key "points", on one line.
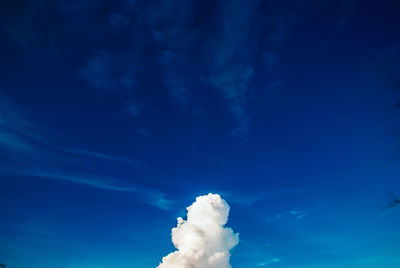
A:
{"points": [[115, 116]]}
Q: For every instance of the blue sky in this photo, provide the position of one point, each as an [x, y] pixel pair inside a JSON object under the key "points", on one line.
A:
{"points": [[115, 116]]}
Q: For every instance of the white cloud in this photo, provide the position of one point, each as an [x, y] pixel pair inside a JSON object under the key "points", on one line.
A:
{"points": [[202, 240], [293, 214], [261, 264]]}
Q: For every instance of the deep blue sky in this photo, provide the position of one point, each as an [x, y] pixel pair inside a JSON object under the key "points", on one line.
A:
{"points": [[115, 116]]}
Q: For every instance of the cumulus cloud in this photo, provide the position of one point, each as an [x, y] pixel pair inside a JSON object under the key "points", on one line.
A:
{"points": [[202, 240]]}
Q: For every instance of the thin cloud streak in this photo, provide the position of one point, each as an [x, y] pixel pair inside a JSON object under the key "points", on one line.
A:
{"points": [[104, 156], [150, 196], [248, 199], [28, 156]]}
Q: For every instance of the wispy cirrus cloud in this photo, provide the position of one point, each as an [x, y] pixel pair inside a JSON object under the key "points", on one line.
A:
{"points": [[290, 215], [203, 53], [268, 262], [24, 154], [237, 43], [369, 261], [221, 60], [114, 72], [248, 199], [146, 195], [219, 57], [232, 67], [102, 156], [110, 72], [254, 254]]}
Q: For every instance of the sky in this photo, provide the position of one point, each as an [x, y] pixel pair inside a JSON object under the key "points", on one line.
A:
{"points": [[116, 115]]}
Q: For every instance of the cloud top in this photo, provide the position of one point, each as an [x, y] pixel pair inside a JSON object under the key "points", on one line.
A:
{"points": [[202, 240]]}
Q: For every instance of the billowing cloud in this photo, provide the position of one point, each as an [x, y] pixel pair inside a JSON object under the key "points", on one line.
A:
{"points": [[202, 240]]}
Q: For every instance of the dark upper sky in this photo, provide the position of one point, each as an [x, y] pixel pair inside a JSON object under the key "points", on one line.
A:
{"points": [[115, 116]]}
